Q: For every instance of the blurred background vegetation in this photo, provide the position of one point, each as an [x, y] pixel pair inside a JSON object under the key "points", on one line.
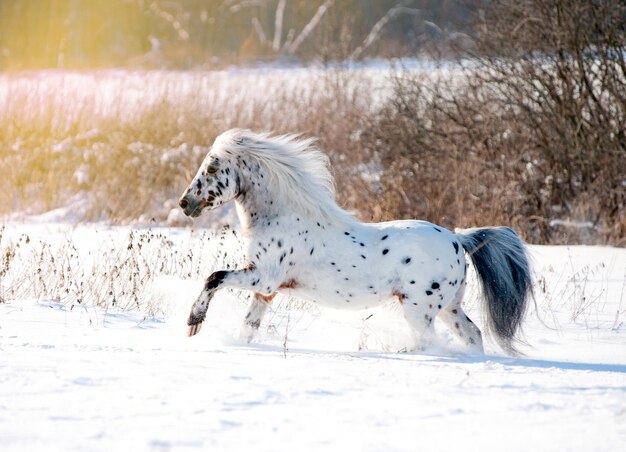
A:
{"points": [[472, 112], [183, 34]]}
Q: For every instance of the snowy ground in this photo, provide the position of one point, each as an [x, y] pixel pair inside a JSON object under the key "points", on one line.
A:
{"points": [[82, 378]]}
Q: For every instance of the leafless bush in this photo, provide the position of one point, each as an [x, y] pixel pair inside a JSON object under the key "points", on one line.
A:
{"points": [[529, 131]]}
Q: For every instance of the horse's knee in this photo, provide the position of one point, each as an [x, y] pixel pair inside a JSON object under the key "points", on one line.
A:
{"points": [[214, 281]]}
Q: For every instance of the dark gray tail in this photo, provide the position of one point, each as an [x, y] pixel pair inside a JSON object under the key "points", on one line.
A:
{"points": [[500, 260]]}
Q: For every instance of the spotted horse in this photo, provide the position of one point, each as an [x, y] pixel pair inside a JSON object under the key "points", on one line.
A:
{"points": [[298, 240]]}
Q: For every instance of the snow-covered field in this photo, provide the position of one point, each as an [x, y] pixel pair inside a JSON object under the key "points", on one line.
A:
{"points": [[80, 377]]}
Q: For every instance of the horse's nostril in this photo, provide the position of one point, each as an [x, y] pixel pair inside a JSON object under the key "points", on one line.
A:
{"points": [[183, 203]]}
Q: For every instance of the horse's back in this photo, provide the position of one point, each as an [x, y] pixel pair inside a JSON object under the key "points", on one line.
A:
{"points": [[362, 264], [421, 236], [412, 246]]}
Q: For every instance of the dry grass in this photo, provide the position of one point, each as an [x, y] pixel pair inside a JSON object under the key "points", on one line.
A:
{"points": [[128, 269], [122, 146], [457, 146], [113, 269]]}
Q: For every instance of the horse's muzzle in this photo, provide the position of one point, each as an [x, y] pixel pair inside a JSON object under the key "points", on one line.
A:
{"points": [[191, 205]]}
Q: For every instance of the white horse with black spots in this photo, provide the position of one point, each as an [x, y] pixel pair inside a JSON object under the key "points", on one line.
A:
{"points": [[297, 239]]}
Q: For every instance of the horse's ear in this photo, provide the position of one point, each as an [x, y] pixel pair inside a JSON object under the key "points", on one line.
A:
{"points": [[240, 138], [249, 143]]}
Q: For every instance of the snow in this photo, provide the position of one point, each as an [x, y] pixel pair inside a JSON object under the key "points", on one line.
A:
{"points": [[571, 224], [80, 377], [233, 95]]}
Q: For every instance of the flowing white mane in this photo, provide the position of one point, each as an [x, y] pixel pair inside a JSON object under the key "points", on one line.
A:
{"points": [[299, 172]]}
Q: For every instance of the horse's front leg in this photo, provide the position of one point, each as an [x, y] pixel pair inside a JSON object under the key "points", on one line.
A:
{"points": [[247, 278]]}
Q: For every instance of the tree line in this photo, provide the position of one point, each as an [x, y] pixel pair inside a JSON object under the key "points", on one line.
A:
{"points": [[195, 33]]}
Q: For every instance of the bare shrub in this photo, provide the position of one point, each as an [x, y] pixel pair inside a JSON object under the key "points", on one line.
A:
{"points": [[528, 130]]}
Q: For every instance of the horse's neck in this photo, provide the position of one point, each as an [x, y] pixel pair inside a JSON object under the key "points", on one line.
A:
{"points": [[251, 212], [255, 205]]}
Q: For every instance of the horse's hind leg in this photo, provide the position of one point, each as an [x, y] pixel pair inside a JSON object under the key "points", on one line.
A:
{"points": [[254, 316], [420, 318], [460, 324]]}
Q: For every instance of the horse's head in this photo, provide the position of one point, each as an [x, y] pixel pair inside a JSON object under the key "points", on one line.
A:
{"points": [[214, 184]]}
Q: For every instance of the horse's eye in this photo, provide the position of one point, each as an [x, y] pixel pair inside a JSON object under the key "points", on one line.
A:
{"points": [[212, 170]]}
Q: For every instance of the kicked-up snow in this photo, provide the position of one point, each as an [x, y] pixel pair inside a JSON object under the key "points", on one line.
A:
{"points": [[78, 377]]}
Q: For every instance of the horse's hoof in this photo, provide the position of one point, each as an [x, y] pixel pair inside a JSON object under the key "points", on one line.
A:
{"points": [[194, 329]]}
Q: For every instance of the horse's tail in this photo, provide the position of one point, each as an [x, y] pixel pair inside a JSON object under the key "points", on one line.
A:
{"points": [[500, 259]]}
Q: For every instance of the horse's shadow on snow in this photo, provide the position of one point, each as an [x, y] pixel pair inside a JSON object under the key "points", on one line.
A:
{"points": [[529, 362], [444, 358]]}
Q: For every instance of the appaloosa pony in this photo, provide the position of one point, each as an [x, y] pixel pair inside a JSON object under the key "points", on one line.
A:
{"points": [[297, 239]]}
